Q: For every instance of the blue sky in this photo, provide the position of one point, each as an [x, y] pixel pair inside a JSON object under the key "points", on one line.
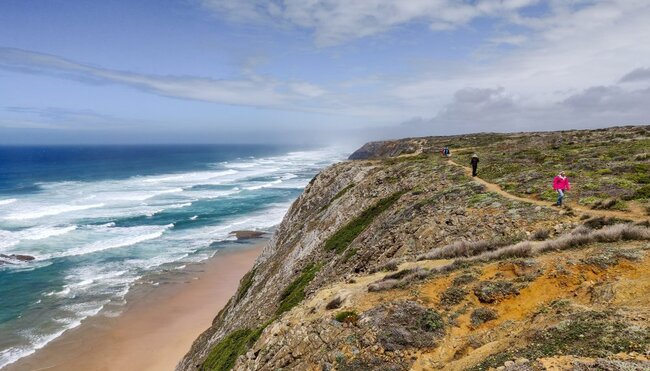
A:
{"points": [[196, 71]]}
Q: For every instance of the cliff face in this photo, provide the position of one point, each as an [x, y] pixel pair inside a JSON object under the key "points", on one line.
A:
{"points": [[402, 260]]}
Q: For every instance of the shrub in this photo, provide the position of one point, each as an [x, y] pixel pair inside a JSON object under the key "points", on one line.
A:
{"points": [[579, 237], [461, 249], [340, 240], [452, 296], [399, 275], [431, 321], [643, 192], [463, 279], [347, 317], [295, 292], [481, 315], [541, 234], [492, 291], [384, 285], [389, 266]]}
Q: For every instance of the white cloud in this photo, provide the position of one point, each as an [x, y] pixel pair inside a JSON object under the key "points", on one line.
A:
{"points": [[476, 110], [337, 21], [252, 90]]}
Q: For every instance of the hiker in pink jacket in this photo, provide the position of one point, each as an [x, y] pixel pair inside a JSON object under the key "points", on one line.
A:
{"points": [[560, 185]]}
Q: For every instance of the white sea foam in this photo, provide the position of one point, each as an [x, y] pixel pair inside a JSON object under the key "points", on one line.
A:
{"points": [[12, 238], [125, 237], [38, 341], [50, 211], [264, 185], [7, 201]]}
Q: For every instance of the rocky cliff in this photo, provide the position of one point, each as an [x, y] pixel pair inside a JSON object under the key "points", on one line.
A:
{"points": [[399, 259]]}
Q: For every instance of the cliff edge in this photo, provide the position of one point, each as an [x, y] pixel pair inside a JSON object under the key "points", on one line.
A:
{"points": [[400, 259]]}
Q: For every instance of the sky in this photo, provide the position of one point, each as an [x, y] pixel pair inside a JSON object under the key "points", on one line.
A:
{"points": [[316, 71]]}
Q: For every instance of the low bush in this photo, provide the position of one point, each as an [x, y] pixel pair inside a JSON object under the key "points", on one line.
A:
{"points": [[452, 296], [347, 317], [541, 234], [461, 249], [493, 291], [481, 315]]}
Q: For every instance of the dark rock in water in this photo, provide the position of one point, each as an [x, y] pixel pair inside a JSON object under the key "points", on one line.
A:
{"points": [[247, 235], [22, 258]]}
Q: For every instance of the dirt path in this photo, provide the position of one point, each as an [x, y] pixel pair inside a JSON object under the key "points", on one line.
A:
{"points": [[635, 212]]}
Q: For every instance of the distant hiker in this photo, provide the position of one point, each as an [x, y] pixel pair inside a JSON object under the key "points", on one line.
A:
{"points": [[447, 152], [442, 152], [560, 185], [474, 163]]}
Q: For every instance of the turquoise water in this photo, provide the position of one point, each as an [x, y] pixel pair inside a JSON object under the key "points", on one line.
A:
{"points": [[98, 219]]}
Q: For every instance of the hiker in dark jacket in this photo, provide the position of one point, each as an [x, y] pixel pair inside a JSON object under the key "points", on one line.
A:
{"points": [[474, 163]]}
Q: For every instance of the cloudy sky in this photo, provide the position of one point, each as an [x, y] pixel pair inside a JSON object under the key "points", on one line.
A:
{"points": [[194, 71]]}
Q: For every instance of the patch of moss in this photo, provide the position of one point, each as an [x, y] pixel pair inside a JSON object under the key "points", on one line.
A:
{"points": [[344, 236], [295, 292]]}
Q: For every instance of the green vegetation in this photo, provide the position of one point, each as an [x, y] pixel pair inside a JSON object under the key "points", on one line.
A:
{"points": [[493, 291], [481, 315], [245, 284], [295, 292], [601, 165], [586, 334], [344, 236], [224, 355], [431, 321], [348, 316], [452, 296]]}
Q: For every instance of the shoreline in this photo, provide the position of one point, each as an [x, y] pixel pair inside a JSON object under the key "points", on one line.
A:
{"points": [[158, 324]]}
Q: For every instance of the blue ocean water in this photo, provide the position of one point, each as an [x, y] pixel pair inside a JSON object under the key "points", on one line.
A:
{"points": [[98, 219]]}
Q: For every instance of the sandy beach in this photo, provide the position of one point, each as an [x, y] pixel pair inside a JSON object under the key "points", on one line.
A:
{"points": [[157, 325]]}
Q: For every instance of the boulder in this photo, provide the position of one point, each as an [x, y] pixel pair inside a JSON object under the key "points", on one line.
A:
{"points": [[247, 235], [19, 257]]}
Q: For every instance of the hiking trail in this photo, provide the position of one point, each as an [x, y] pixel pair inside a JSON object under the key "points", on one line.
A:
{"points": [[635, 213]]}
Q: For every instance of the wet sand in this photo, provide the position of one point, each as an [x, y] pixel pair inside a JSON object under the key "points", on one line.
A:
{"points": [[157, 326]]}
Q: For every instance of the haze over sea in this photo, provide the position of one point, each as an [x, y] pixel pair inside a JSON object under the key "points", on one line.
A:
{"points": [[97, 219]]}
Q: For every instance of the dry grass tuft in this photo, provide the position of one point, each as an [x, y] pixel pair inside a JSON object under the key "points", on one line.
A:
{"points": [[460, 249], [473, 252]]}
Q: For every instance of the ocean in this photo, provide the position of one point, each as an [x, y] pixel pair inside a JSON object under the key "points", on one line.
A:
{"points": [[99, 219]]}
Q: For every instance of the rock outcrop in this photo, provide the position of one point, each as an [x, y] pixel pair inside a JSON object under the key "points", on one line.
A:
{"points": [[399, 259]]}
